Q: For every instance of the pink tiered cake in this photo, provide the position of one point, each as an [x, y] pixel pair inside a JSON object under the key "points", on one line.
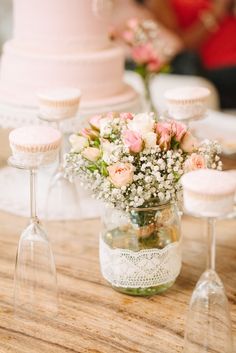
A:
{"points": [[63, 43]]}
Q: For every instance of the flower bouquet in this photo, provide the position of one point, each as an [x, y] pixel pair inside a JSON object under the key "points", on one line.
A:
{"points": [[150, 51], [134, 163]]}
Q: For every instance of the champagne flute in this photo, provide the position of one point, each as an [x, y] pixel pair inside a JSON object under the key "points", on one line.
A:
{"points": [[35, 290]]}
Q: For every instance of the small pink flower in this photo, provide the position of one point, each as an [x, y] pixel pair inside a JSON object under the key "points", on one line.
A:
{"points": [[164, 134], [133, 140], [133, 23], [121, 174], [128, 36], [164, 128], [194, 162], [189, 143], [126, 116], [154, 65], [89, 133], [144, 54], [178, 130], [95, 121], [91, 153]]}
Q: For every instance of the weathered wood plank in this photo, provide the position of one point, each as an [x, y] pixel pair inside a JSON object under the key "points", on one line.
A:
{"points": [[95, 319]]}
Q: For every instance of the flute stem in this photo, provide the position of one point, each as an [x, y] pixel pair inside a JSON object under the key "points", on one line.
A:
{"points": [[61, 148], [33, 212], [211, 243]]}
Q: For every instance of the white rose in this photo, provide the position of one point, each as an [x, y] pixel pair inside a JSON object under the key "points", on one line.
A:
{"points": [[78, 143], [91, 153], [150, 139], [108, 149], [142, 123], [104, 127]]}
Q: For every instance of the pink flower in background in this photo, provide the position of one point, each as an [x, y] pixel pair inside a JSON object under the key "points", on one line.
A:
{"points": [[133, 140], [133, 23], [95, 121], [154, 65], [194, 162], [144, 54], [128, 36], [121, 174], [189, 143], [126, 116], [178, 130]]}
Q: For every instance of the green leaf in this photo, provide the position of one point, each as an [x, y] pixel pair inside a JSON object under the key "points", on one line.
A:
{"points": [[176, 176], [92, 167], [103, 168], [174, 144], [96, 143]]}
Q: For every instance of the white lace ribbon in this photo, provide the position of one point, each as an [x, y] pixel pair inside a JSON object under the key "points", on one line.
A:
{"points": [[140, 269]]}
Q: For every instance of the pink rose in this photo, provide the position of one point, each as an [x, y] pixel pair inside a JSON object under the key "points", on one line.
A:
{"points": [[91, 153], [194, 162], [189, 143], [164, 134], [133, 140], [89, 133], [164, 127], [126, 116], [95, 121], [178, 130], [144, 54], [121, 174]]}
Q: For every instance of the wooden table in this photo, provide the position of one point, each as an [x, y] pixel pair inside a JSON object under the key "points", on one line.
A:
{"points": [[93, 318]]}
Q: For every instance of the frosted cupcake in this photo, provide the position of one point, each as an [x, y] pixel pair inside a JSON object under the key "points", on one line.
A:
{"points": [[34, 145], [208, 192], [59, 104], [185, 103]]}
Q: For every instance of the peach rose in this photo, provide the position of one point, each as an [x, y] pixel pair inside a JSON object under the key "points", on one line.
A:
{"points": [[178, 130], [91, 153], [121, 174], [189, 143], [194, 162], [133, 140]]}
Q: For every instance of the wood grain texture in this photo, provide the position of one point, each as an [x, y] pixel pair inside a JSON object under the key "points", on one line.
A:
{"points": [[93, 318]]}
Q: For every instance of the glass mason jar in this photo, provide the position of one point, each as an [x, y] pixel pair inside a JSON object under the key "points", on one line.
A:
{"points": [[140, 250]]}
